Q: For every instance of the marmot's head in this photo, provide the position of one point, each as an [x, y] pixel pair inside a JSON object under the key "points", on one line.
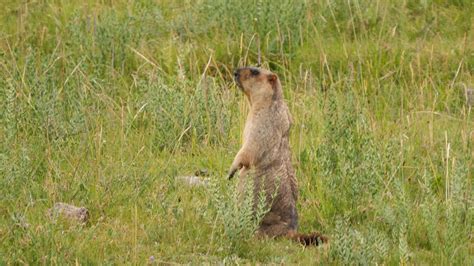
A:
{"points": [[258, 83]]}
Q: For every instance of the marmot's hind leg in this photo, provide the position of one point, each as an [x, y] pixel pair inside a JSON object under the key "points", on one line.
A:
{"points": [[274, 230], [273, 225]]}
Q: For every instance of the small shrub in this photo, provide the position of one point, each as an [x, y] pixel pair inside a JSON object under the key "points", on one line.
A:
{"points": [[240, 212], [349, 159]]}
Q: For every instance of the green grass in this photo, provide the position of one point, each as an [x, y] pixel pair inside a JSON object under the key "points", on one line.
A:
{"points": [[104, 103]]}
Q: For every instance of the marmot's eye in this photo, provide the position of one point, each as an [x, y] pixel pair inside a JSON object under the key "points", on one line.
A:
{"points": [[254, 72]]}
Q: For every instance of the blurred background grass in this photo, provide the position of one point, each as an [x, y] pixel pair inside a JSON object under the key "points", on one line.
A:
{"points": [[104, 103]]}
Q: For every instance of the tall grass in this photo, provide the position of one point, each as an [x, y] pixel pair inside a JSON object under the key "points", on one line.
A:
{"points": [[103, 104]]}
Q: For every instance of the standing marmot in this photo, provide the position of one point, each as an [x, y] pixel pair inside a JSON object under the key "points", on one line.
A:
{"points": [[266, 156]]}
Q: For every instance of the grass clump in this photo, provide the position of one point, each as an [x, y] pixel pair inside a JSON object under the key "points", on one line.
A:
{"points": [[239, 212]]}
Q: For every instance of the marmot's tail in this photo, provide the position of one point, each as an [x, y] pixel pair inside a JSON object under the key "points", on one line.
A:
{"points": [[312, 239]]}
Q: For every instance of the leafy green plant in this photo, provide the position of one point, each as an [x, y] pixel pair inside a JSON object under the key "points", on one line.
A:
{"points": [[458, 214], [239, 210], [348, 158]]}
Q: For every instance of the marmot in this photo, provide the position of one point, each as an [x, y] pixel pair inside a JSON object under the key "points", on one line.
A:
{"points": [[266, 156]]}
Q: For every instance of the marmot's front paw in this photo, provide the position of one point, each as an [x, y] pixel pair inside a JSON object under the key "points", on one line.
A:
{"points": [[232, 173], [234, 168]]}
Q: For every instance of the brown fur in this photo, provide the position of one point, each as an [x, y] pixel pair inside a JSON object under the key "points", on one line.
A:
{"points": [[266, 156]]}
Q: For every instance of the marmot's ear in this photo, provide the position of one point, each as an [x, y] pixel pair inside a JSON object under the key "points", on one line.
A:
{"points": [[273, 79]]}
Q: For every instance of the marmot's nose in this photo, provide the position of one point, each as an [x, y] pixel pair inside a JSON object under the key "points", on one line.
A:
{"points": [[236, 74]]}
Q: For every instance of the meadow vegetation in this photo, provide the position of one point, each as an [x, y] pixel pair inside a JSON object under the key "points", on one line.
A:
{"points": [[104, 103]]}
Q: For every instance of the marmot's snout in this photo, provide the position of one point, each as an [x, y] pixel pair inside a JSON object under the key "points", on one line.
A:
{"points": [[237, 75]]}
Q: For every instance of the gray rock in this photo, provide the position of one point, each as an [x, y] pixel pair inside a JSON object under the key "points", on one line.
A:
{"points": [[470, 97], [193, 181], [70, 212]]}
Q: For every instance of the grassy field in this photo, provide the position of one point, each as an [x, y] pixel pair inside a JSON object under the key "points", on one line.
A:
{"points": [[105, 103]]}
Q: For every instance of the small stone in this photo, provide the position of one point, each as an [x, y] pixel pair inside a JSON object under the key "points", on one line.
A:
{"points": [[470, 97], [70, 212], [193, 180]]}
